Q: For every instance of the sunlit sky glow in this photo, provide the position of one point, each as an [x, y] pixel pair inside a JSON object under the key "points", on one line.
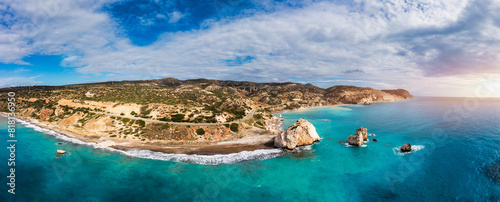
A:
{"points": [[431, 48]]}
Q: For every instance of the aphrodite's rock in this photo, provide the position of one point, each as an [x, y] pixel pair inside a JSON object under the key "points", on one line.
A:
{"points": [[300, 133], [406, 147], [60, 152]]}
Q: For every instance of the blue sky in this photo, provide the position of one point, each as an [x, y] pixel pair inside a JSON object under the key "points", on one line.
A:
{"points": [[444, 48]]}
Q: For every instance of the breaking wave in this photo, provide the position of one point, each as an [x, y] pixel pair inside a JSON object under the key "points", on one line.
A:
{"points": [[189, 158], [414, 148]]}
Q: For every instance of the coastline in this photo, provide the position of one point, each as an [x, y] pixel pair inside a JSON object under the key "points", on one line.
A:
{"points": [[246, 148], [253, 147]]}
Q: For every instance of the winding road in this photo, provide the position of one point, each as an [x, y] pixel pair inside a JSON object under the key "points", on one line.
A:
{"points": [[248, 116]]}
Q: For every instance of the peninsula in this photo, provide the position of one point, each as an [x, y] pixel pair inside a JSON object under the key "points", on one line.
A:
{"points": [[198, 116]]}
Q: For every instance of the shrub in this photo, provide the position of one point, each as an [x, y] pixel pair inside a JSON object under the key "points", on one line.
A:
{"points": [[122, 114], [141, 123], [200, 131], [133, 113], [125, 120], [112, 136], [234, 127], [178, 117]]}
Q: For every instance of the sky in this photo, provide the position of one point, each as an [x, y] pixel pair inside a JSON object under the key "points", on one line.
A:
{"points": [[429, 47]]}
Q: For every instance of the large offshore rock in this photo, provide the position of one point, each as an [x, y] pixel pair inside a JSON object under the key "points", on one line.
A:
{"points": [[360, 136], [300, 133]]}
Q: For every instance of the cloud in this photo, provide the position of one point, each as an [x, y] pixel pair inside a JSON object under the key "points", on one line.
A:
{"points": [[175, 17], [393, 43], [18, 81]]}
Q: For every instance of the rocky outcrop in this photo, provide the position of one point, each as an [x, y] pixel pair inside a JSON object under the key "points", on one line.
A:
{"points": [[355, 95], [274, 125], [400, 92], [406, 148], [60, 152], [300, 133], [360, 136]]}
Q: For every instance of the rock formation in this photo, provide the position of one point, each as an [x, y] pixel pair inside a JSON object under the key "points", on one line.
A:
{"points": [[406, 147], [60, 152], [360, 136], [375, 140], [300, 133]]}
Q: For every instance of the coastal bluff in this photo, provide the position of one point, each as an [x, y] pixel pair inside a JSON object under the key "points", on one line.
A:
{"points": [[300, 133]]}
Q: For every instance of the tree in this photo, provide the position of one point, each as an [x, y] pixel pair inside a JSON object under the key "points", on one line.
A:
{"points": [[200, 131], [234, 127]]}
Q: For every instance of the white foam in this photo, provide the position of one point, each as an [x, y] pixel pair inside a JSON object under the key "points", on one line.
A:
{"points": [[206, 159], [348, 145], [414, 148], [192, 158]]}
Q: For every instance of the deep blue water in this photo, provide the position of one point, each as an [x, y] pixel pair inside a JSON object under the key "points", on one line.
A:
{"points": [[457, 138]]}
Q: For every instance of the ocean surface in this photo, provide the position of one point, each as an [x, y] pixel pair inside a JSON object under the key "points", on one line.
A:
{"points": [[455, 140]]}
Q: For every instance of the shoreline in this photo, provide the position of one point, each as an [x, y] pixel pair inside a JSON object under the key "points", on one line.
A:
{"points": [[246, 148], [253, 147]]}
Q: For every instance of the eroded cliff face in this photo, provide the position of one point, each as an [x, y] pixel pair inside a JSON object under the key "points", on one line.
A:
{"points": [[355, 95]]}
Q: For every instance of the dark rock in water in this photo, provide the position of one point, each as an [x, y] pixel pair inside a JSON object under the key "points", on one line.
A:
{"points": [[406, 147], [59, 143], [375, 140], [493, 171]]}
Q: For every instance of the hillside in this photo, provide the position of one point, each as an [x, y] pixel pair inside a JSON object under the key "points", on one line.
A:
{"points": [[149, 110]]}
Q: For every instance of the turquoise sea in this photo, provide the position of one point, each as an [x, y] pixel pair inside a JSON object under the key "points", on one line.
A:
{"points": [[456, 142]]}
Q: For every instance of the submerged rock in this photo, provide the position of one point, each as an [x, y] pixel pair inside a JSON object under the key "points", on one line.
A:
{"points": [[300, 133], [375, 140], [406, 147], [360, 136], [493, 171]]}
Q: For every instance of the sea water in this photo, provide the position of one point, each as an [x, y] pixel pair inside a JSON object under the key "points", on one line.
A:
{"points": [[454, 140]]}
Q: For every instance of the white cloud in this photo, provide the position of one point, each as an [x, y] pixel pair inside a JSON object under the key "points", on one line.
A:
{"points": [[392, 43], [18, 81], [175, 17]]}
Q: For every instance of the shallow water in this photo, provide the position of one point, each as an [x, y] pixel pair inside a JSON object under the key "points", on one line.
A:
{"points": [[454, 144]]}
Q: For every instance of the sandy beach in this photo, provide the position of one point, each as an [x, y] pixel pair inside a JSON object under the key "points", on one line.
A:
{"points": [[249, 143]]}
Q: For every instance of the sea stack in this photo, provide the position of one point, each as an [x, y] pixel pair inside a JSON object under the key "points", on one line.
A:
{"points": [[360, 136], [300, 133], [406, 147]]}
